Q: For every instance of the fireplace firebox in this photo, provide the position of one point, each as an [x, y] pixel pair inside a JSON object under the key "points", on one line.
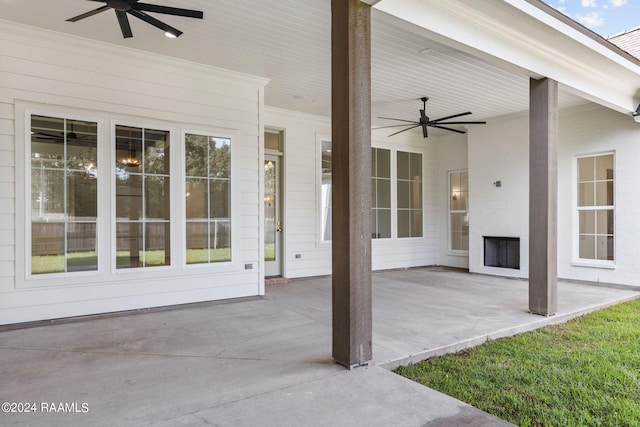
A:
{"points": [[503, 252]]}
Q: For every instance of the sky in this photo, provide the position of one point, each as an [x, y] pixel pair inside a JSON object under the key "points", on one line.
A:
{"points": [[605, 17]]}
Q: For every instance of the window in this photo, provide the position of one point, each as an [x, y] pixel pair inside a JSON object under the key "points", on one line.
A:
{"points": [[409, 185], [459, 210], [380, 193], [143, 201], [208, 199], [408, 191], [596, 207], [325, 191], [64, 206]]}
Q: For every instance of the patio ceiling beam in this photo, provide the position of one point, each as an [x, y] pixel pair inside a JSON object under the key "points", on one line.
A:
{"points": [[351, 181], [543, 196]]}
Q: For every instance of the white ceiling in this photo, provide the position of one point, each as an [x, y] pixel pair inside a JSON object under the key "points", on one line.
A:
{"points": [[289, 42]]}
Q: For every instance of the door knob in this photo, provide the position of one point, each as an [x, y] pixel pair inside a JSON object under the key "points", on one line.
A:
{"points": [[279, 227]]}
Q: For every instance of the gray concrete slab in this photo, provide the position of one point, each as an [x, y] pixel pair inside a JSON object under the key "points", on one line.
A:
{"points": [[268, 361]]}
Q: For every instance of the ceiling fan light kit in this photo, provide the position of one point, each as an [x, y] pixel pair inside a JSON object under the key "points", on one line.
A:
{"points": [[425, 122], [137, 9]]}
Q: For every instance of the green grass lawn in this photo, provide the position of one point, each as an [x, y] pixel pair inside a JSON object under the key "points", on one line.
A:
{"points": [[585, 372], [43, 264]]}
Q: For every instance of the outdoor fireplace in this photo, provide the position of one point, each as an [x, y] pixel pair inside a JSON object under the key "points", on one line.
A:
{"points": [[502, 252]]}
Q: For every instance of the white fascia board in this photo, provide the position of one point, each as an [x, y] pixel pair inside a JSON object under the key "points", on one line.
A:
{"points": [[515, 33]]}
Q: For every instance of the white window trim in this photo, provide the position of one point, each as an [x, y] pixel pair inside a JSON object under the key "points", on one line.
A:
{"points": [[393, 205], [394, 148], [320, 242], [112, 188], [24, 277], [450, 251], [107, 274], [182, 205], [394, 193], [576, 261]]}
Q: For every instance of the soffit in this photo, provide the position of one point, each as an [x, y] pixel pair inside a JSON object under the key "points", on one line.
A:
{"points": [[288, 41]]}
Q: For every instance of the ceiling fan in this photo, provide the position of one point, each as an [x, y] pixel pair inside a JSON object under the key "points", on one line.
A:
{"points": [[132, 7], [425, 121], [71, 138]]}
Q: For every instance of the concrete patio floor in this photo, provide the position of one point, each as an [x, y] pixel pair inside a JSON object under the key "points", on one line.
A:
{"points": [[267, 361]]}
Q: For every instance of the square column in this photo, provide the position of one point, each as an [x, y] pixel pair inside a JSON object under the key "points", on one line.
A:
{"points": [[351, 181], [543, 197]]}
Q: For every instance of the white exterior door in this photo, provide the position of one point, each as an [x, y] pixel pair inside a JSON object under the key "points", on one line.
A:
{"points": [[272, 217]]}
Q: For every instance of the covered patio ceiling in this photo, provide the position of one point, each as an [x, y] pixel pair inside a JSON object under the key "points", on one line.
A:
{"points": [[288, 41]]}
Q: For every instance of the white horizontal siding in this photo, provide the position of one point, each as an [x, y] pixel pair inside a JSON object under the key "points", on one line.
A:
{"points": [[302, 210], [45, 70]]}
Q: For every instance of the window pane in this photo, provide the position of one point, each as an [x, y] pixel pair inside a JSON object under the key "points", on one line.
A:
{"points": [[156, 152], [157, 200], [220, 158], [464, 181], [47, 142], [47, 248], [459, 231], [81, 142], [604, 193], [404, 223], [220, 198], [196, 155], [416, 194], [157, 244], [81, 247], [272, 141], [129, 197], [454, 182], [404, 194], [383, 162], [604, 167], [604, 221], [197, 198], [64, 194], [587, 222], [383, 193], [197, 242], [459, 221], [47, 194], [586, 169], [129, 148], [220, 239], [129, 244], [587, 247], [463, 201], [416, 223], [403, 165], [82, 197], [384, 223], [416, 165], [83, 157], [605, 247], [586, 194], [208, 198]]}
